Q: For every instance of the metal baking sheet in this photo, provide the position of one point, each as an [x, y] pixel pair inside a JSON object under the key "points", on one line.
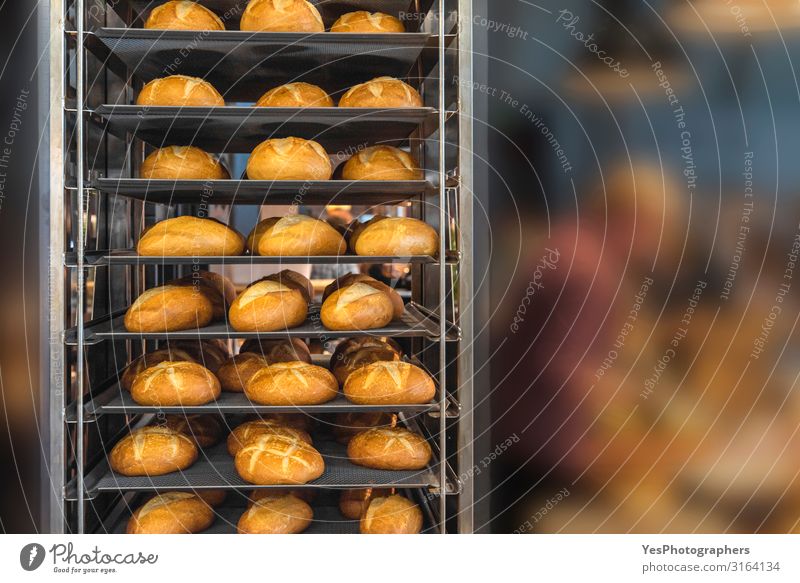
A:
{"points": [[342, 131]]}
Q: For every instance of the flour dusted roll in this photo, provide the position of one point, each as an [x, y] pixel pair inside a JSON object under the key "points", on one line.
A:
{"points": [[172, 384], [190, 236], [274, 459], [346, 425], [249, 430], [367, 22], [382, 92], [180, 91], [234, 374], [204, 430], [389, 448], [152, 451], [182, 163], [276, 514], [391, 515], [183, 15], [289, 159], [389, 383], [171, 513], [394, 236], [151, 359], [295, 95], [295, 235], [169, 308], [398, 307], [281, 16], [291, 383], [353, 503], [381, 163], [286, 350], [354, 353], [268, 305]]}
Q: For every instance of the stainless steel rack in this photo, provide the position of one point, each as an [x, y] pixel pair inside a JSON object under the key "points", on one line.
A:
{"points": [[100, 57]]}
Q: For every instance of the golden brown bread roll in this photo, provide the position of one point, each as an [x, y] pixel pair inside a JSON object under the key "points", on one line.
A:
{"points": [[351, 278], [391, 515], [382, 92], [286, 350], [367, 22], [394, 236], [210, 353], [152, 451], [357, 352], [190, 236], [218, 288], [346, 425], [180, 91], [275, 459], [169, 308], [389, 383], [295, 420], [291, 383], [204, 430], [281, 16], [172, 384], [381, 163], [294, 235], [183, 15], [171, 513], [151, 359], [182, 163], [289, 159], [353, 503], [234, 374], [389, 448], [295, 95], [249, 430], [213, 497], [357, 307], [276, 514], [267, 305], [305, 494]]}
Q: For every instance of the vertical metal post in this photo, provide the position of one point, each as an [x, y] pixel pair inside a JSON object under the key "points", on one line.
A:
{"points": [[443, 238], [80, 245]]}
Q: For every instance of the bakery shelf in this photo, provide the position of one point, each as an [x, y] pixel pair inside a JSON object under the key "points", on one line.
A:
{"points": [[260, 192], [341, 130], [243, 65]]}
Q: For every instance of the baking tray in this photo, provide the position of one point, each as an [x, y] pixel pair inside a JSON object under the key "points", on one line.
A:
{"points": [[260, 192], [342, 131], [243, 65]]}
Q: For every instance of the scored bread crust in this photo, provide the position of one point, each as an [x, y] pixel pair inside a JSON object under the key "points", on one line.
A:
{"points": [[182, 163], [234, 374], [381, 92], [391, 515], [151, 359], [276, 514], [249, 430], [389, 448], [353, 503], [289, 159], [292, 383], [169, 308], [190, 236], [295, 95], [394, 236], [389, 383], [346, 425], [175, 383], [343, 364], [281, 16], [171, 513], [180, 91], [278, 460], [362, 21], [267, 305], [381, 163], [295, 235], [183, 15], [358, 306], [204, 430], [152, 451], [284, 350]]}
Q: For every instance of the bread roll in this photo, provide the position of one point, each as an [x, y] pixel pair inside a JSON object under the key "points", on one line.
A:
{"points": [[210, 353], [276, 514], [217, 288], [294, 235], [151, 359], [389, 383], [295, 420], [190, 236], [181, 15], [273, 351], [295, 95], [211, 496], [381, 163], [182, 163], [351, 278], [353, 503], [306, 494], [346, 425], [289, 159], [180, 91], [268, 305], [391, 515], [382, 92], [249, 430], [169, 308], [204, 430], [354, 353], [234, 374], [274, 459], [281, 16], [172, 384], [389, 448], [394, 236], [171, 513], [367, 22], [152, 451], [291, 383]]}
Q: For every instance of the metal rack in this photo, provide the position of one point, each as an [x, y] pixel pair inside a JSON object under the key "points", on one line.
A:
{"points": [[100, 57]]}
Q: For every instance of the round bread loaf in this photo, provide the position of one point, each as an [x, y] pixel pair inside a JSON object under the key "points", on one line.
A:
{"points": [[295, 420], [152, 451], [267, 305], [276, 514], [289, 159], [183, 15], [353, 503], [381, 92], [287, 350], [213, 497], [367, 22], [180, 91], [389, 448], [219, 289], [391, 515], [295, 95], [291, 383], [169, 308], [346, 425], [190, 236], [306, 494], [389, 383], [204, 430], [358, 306], [151, 359], [381, 163], [351, 278], [234, 374], [295, 235], [172, 384], [275, 459], [210, 353], [281, 16], [182, 163], [394, 236], [249, 430], [171, 513], [346, 359]]}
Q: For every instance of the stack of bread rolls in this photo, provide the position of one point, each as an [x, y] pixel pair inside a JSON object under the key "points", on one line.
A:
{"points": [[359, 302]]}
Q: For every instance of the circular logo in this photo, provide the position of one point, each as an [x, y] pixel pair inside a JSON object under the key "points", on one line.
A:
{"points": [[31, 556]]}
